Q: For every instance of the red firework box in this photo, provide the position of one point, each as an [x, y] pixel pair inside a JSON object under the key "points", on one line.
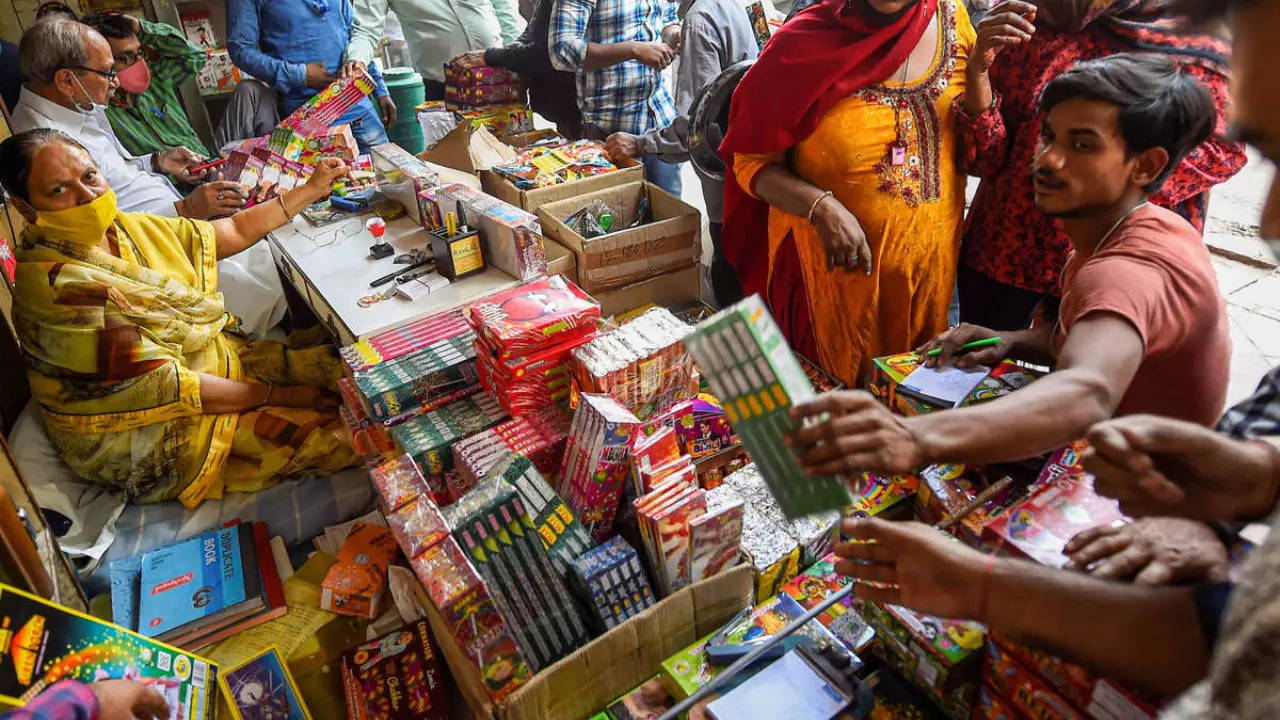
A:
{"points": [[534, 316], [539, 436], [812, 586], [398, 482], [477, 95], [396, 677], [595, 462], [1098, 697], [715, 537], [369, 438], [990, 706], [531, 383], [670, 535], [417, 526], [1040, 526], [1024, 690], [482, 75], [1062, 462], [468, 611]]}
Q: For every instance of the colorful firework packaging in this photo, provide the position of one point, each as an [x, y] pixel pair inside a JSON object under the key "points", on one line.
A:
{"points": [[703, 428], [652, 458], [642, 364], [417, 526], [396, 677], [491, 525], [563, 537], [613, 583], [319, 113], [398, 482], [356, 583], [664, 519], [941, 657], [468, 609], [482, 75], [456, 97], [539, 436], [42, 643], [442, 369], [427, 438], [370, 439], [812, 586], [401, 341], [1040, 526], [533, 317], [715, 538], [532, 383], [596, 462], [750, 367], [544, 166]]}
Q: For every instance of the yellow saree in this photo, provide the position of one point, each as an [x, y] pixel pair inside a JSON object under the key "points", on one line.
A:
{"points": [[113, 347]]}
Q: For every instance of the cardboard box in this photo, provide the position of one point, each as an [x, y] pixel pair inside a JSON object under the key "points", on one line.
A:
{"points": [[624, 257], [531, 200], [672, 289], [469, 149], [560, 260], [609, 666], [358, 579], [512, 237]]}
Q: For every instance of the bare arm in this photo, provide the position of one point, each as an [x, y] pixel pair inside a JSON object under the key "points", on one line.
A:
{"points": [[220, 396], [1149, 637], [603, 55], [247, 227], [1096, 365]]}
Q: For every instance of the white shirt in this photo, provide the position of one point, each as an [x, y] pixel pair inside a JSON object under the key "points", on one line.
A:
{"points": [[248, 280], [137, 188]]}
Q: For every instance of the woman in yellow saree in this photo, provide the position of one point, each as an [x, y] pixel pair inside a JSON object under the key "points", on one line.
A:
{"points": [[142, 381]]}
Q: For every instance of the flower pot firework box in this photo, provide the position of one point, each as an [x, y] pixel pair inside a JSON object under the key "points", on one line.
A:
{"points": [[887, 374], [612, 664], [668, 242]]}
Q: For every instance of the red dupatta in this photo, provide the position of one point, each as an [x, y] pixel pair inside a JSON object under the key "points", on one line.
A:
{"points": [[823, 55]]}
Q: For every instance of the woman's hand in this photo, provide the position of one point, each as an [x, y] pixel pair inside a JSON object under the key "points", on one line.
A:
{"points": [[329, 170], [843, 240], [307, 397], [1010, 23]]}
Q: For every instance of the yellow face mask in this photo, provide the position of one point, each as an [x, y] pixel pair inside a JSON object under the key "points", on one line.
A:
{"points": [[85, 224]]}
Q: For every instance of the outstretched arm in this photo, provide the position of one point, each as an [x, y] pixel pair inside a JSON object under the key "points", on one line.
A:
{"points": [[247, 227], [1148, 637]]}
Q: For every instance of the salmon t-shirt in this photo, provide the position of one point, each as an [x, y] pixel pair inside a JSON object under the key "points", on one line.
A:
{"points": [[1154, 271]]}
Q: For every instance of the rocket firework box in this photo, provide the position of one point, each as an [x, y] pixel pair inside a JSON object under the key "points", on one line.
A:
{"points": [[405, 340], [468, 610], [536, 315], [396, 677], [443, 368], [427, 438], [319, 113], [42, 643], [941, 657]]}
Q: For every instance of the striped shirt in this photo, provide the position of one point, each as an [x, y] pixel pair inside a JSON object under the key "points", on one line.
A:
{"points": [[627, 97], [155, 120], [66, 700]]}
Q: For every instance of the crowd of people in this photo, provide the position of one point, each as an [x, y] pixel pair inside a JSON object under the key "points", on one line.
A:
{"points": [[1095, 128]]}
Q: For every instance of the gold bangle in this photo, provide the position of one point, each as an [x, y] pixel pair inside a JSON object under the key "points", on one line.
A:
{"points": [[284, 207], [826, 194]]}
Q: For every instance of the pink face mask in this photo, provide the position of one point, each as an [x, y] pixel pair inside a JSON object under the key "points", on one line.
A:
{"points": [[136, 78]]}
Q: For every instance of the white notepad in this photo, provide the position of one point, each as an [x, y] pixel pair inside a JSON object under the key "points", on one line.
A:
{"points": [[788, 688], [948, 384]]}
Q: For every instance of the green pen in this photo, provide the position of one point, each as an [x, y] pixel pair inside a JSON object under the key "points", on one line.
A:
{"points": [[985, 342]]}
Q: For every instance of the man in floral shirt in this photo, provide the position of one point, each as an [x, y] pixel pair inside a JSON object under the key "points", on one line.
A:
{"points": [[1012, 253]]}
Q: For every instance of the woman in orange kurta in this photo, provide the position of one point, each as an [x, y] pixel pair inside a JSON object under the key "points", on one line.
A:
{"points": [[865, 209]]}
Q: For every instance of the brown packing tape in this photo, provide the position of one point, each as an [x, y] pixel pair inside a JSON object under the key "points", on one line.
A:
{"points": [[649, 250], [602, 670]]}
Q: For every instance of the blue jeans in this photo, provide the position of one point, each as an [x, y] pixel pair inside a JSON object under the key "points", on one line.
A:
{"points": [[367, 128], [663, 174]]}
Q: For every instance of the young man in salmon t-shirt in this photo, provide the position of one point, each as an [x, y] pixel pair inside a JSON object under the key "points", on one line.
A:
{"points": [[1142, 329]]}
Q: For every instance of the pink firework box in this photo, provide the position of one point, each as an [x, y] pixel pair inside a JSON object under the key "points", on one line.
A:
{"points": [[318, 114], [714, 540], [648, 516], [1063, 462], [681, 466], [673, 531], [601, 487], [398, 483], [467, 608], [705, 429], [1040, 526]]}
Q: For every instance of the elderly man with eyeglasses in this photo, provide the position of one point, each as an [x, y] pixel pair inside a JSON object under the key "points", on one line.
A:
{"points": [[71, 73]]}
